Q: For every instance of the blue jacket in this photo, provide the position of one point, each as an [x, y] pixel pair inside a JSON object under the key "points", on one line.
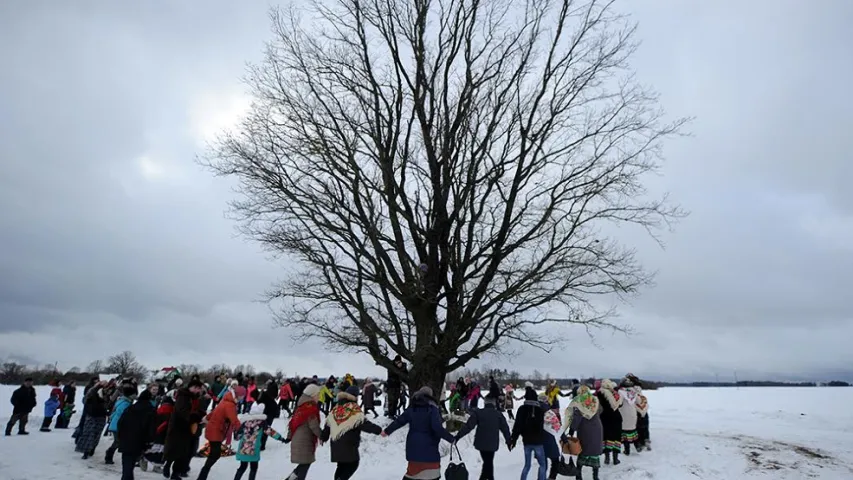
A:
{"points": [[121, 405], [425, 430], [50, 406]]}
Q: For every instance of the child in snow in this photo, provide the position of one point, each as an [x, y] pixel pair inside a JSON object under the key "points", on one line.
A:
{"points": [[252, 428], [125, 400], [51, 405], [582, 418], [344, 426], [642, 404]]}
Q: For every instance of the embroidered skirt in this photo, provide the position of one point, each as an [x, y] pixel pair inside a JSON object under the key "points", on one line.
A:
{"points": [[423, 471], [589, 461], [629, 436]]}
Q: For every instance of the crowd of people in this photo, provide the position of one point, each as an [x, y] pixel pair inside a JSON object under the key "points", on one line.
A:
{"points": [[162, 425]]}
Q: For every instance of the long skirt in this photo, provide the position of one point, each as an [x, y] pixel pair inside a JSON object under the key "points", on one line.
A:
{"points": [[90, 435]]}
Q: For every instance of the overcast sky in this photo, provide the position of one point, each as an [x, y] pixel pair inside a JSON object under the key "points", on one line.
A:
{"points": [[112, 238]]}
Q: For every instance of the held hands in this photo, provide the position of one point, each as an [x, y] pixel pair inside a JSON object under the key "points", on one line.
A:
{"points": [[564, 438], [384, 434]]}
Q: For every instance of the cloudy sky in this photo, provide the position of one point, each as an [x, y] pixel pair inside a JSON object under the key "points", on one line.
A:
{"points": [[113, 238]]}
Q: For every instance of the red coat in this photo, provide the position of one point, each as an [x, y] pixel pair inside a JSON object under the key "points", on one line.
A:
{"points": [[285, 392], [223, 416]]}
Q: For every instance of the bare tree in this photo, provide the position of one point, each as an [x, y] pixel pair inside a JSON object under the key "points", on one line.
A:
{"points": [[126, 364], [96, 367], [12, 373], [443, 172]]}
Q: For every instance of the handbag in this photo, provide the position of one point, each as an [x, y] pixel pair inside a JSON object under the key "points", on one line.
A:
{"points": [[456, 471], [572, 447], [567, 469]]}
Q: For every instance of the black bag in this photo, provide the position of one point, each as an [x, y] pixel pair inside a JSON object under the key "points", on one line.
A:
{"points": [[567, 469], [456, 471]]}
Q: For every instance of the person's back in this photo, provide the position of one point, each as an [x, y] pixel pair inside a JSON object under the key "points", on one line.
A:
{"points": [[530, 427], [425, 428], [490, 423]]}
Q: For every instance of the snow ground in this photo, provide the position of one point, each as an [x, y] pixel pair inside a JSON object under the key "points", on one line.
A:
{"points": [[720, 434]]}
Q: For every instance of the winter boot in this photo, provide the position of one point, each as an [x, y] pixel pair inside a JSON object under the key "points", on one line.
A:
{"points": [[23, 433], [627, 448], [595, 473], [579, 474], [45, 425], [607, 457], [143, 464], [616, 458], [108, 458], [639, 447], [649, 445], [167, 470]]}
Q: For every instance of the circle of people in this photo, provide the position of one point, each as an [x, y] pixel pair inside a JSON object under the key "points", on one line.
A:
{"points": [[162, 425]]}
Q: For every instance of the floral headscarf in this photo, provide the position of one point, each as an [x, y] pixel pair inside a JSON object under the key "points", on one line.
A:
{"points": [[585, 402]]}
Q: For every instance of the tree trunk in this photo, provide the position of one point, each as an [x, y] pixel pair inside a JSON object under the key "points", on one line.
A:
{"points": [[428, 371]]}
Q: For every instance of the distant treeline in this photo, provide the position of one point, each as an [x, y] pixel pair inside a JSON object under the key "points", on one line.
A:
{"points": [[754, 383]]}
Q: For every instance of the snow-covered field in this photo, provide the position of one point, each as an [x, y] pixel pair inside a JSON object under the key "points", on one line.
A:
{"points": [[719, 434]]}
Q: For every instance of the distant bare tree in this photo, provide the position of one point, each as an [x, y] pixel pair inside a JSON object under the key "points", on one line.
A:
{"points": [[96, 367], [126, 364], [12, 373], [443, 171]]}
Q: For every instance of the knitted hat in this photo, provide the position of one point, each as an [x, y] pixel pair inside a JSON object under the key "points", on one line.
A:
{"points": [[312, 391], [239, 392], [353, 390], [528, 384], [425, 391]]}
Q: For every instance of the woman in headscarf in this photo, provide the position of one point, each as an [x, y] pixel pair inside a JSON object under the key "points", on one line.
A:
{"points": [[96, 417], [611, 420], [582, 418], [642, 404], [628, 410], [304, 432]]}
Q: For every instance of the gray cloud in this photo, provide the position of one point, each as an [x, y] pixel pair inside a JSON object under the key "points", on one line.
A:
{"points": [[112, 238]]}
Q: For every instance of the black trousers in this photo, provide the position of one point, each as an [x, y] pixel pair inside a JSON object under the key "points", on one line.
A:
{"points": [[345, 471], [488, 472], [19, 418], [300, 472], [212, 457], [269, 421], [128, 462], [253, 470]]}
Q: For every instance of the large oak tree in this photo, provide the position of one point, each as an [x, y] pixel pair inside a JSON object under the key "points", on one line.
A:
{"points": [[444, 172]]}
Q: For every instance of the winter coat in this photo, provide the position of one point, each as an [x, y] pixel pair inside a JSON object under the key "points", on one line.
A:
{"points": [[346, 437], [629, 415], [221, 418], [549, 443], [137, 427], [325, 394], [489, 423], [250, 433], [494, 389], [120, 406], [303, 442], [425, 430], [70, 393], [51, 405], [216, 388], [179, 437], [368, 396], [529, 423], [23, 400], [271, 407], [611, 420], [394, 381], [96, 405], [590, 432], [285, 392]]}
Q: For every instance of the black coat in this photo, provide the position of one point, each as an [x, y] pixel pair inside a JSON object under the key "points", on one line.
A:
{"points": [[530, 423], [70, 393], [95, 405], [489, 423], [271, 407], [394, 382], [611, 420], [179, 439], [345, 448], [23, 400], [137, 427], [494, 390]]}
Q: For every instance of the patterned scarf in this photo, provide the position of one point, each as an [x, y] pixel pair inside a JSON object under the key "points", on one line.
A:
{"points": [[608, 389], [585, 402], [343, 418], [642, 404], [302, 415]]}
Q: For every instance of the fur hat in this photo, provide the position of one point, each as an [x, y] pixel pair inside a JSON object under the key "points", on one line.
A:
{"points": [[528, 384], [312, 391]]}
